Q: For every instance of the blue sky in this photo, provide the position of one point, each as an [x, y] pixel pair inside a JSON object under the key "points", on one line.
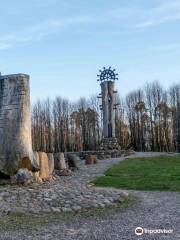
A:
{"points": [[62, 44]]}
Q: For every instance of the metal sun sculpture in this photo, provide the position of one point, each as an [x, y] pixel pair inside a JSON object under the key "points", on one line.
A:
{"points": [[107, 74]]}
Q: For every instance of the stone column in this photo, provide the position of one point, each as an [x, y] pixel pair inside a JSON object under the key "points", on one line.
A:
{"points": [[111, 88], [178, 122], [108, 104], [15, 124], [105, 108]]}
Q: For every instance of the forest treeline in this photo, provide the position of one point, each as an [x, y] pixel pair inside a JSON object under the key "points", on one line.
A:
{"points": [[147, 119]]}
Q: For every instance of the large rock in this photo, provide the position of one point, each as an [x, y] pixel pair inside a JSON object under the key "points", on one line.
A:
{"points": [[36, 174], [46, 166], [73, 161], [15, 125], [91, 159], [44, 172], [59, 161], [51, 162], [23, 176]]}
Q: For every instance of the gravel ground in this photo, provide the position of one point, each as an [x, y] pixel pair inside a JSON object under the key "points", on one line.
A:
{"points": [[153, 210]]}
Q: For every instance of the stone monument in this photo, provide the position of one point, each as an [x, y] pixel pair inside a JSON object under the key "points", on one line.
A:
{"points": [[107, 79], [15, 125]]}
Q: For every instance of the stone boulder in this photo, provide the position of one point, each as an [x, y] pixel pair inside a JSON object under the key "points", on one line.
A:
{"points": [[59, 161], [23, 176], [73, 161], [91, 159], [15, 125], [45, 162], [44, 172], [51, 162], [36, 174]]}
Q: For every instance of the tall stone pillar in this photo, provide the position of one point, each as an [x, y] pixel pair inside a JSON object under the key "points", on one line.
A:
{"points": [[15, 124], [108, 108], [178, 121], [107, 79], [105, 108], [112, 104]]}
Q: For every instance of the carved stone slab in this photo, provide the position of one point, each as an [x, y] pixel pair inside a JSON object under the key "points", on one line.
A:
{"points": [[15, 124]]}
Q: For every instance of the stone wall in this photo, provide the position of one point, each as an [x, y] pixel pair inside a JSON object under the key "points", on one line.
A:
{"points": [[15, 124], [101, 154], [109, 144]]}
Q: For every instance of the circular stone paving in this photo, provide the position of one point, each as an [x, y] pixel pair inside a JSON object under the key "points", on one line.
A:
{"points": [[67, 193]]}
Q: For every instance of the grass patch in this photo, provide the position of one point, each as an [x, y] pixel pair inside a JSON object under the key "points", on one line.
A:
{"points": [[29, 222], [156, 173]]}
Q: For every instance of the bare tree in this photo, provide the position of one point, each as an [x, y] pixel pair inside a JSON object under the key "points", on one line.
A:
{"points": [[148, 119]]}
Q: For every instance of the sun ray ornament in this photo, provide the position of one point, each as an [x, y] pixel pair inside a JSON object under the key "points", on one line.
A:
{"points": [[107, 74]]}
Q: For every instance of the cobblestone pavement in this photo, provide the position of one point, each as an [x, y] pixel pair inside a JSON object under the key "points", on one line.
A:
{"points": [[154, 210], [65, 194]]}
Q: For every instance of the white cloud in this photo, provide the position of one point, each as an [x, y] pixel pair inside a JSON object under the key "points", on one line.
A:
{"points": [[127, 18], [164, 12], [37, 32], [4, 46]]}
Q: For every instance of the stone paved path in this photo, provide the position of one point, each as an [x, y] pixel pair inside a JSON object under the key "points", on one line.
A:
{"points": [[63, 195], [153, 210]]}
